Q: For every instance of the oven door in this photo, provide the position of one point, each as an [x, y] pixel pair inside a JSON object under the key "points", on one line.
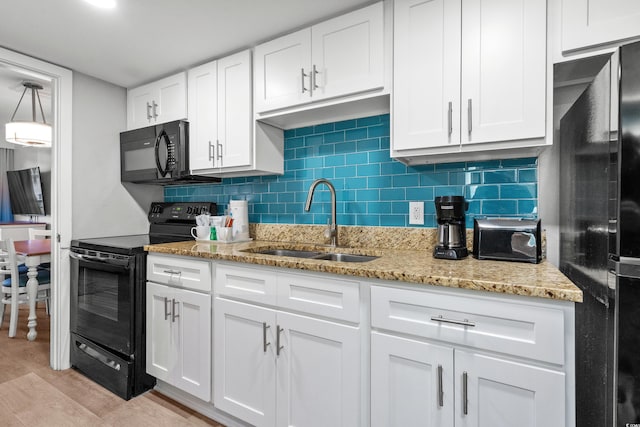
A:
{"points": [[102, 298]]}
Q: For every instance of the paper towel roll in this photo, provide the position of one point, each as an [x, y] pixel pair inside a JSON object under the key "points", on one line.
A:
{"points": [[239, 211]]}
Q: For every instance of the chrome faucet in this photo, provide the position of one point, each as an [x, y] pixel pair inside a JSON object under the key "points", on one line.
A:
{"points": [[332, 228]]}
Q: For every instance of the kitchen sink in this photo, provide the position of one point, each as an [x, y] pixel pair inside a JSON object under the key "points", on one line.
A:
{"points": [[288, 252], [325, 256], [345, 257]]}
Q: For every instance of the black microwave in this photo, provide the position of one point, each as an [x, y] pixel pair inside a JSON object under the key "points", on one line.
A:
{"points": [[158, 155]]}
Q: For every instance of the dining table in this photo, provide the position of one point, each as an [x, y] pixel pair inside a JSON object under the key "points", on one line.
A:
{"points": [[35, 252]]}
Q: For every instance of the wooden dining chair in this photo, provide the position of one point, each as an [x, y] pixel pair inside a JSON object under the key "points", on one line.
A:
{"points": [[39, 233], [14, 286], [3, 253]]}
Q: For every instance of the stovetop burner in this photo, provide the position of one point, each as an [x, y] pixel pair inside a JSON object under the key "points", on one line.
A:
{"points": [[168, 222]]}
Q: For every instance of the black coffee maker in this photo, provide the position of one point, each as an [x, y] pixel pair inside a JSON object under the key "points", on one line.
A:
{"points": [[452, 234]]}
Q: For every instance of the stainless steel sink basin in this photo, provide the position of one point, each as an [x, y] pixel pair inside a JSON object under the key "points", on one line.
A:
{"points": [[289, 252], [325, 256], [346, 257]]}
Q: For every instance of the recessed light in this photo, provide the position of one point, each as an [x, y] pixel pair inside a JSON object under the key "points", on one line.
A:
{"points": [[104, 4]]}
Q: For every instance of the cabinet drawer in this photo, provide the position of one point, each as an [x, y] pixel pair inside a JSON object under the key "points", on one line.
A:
{"points": [[252, 284], [338, 299], [523, 330], [185, 272]]}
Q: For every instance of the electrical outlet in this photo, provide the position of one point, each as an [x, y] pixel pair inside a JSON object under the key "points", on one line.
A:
{"points": [[416, 213]]}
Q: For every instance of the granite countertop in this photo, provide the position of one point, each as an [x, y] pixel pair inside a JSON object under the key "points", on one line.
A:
{"points": [[407, 265]]}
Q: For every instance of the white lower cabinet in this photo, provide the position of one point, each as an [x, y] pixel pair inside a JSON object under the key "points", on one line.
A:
{"points": [[443, 377], [318, 372], [292, 348], [244, 362], [178, 337], [494, 392], [416, 383], [277, 368], [411, 382]]}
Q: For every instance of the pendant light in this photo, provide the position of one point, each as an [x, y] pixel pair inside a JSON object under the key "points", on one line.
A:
{"points": [[34, 133]]}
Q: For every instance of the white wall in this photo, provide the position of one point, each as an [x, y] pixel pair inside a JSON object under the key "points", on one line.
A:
{"points": [[102, 206]]}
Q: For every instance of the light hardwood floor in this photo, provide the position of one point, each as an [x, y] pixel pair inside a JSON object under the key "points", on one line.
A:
{"points": [[32, 394]]}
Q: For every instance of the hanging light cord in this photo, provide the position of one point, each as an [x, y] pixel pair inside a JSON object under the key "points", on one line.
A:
{"points": [[34, 93]]}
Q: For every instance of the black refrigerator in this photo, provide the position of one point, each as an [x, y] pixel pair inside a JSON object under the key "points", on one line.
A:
{"points": [[600, 238]]}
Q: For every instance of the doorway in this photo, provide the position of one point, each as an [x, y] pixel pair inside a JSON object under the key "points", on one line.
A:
{"points": [[60, 82]]}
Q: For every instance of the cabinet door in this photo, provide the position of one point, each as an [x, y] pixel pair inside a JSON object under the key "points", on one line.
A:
{"points": [[503, 70], [235, 130], [281, 76], [426, 91], [318, 373], [244, 361], [191, 333], [161, 101], [592, 22], [502, 393], [203, 115], [411, 383], [171, 98], [160, 351], [139, 107], [347, 53]]}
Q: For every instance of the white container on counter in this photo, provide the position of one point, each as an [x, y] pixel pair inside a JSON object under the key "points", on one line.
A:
{"points": [[239, 211]]}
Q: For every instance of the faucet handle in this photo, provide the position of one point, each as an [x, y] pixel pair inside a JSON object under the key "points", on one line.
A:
{"points": [[330, 231]]}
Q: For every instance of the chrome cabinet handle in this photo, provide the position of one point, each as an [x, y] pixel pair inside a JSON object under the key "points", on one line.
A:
{"points": [[148, 111], [211, 151], [465, 401], [464, 322], [265, 344], [155, 114], [166, 312], [174, 316], [440, 387], [172, 272], [219, 149], [470, 115], [314, 78], [450, 119], [302, 76], [278, 346]]}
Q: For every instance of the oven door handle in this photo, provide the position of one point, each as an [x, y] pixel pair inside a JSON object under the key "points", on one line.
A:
{"points": [[124, 263]]}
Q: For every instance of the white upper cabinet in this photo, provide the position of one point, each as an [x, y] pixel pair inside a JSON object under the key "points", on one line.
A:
{"points": [[347, 54], [203, 115], [222, 136], [161, 101], [281, 72], [503, 70], [426, 91], [342, 56], [234, 111], [588, 23], [466, 73]]}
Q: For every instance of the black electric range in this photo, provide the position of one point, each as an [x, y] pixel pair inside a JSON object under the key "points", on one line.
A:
{"points": [[108, 298], [168, 222]]}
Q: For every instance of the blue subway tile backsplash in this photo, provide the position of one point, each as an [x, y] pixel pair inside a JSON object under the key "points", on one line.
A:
{"points": [[371, 188]]}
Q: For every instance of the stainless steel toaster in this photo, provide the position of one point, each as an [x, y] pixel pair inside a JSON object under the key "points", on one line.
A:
{"points": [[507, 239]]}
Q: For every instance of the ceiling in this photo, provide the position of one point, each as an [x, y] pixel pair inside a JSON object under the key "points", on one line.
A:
{"points": [[142, 40]]}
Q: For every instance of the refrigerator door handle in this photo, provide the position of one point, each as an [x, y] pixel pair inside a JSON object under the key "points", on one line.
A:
{"points": [[625, 267]]}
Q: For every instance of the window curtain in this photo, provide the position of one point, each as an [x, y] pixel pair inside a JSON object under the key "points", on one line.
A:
{"points": [[6, 164]]}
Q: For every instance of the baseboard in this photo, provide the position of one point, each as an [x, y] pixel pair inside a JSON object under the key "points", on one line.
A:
{"points": [[205, 408]]}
